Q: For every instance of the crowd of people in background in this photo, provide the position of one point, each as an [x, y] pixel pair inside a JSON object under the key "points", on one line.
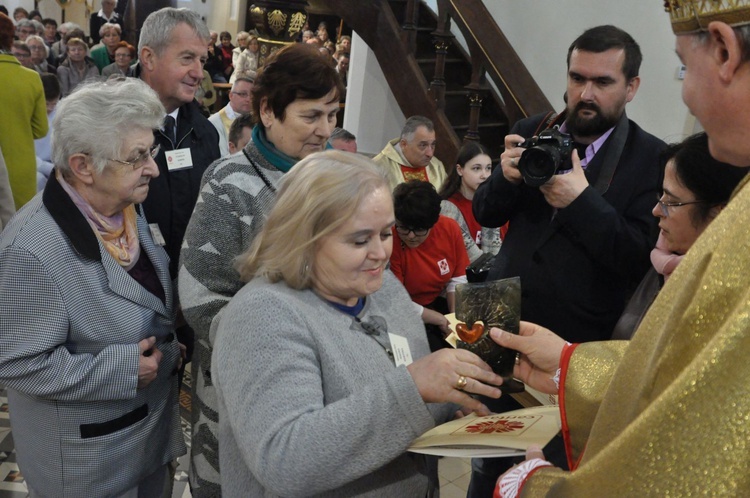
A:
{"points": [[309, 284], [64, 52]]}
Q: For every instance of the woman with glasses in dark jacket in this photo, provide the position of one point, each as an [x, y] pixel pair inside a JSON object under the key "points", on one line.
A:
{"points": [[696, 188]]}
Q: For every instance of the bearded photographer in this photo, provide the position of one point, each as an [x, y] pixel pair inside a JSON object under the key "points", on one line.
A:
{"points": [[579, 237]]}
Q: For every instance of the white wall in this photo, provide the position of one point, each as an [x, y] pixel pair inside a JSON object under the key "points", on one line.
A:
{"points": [[657, 107], [372, 113]]}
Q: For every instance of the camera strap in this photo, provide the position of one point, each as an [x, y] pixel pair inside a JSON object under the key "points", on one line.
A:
{"points": [[548, 122], [612, 153]]}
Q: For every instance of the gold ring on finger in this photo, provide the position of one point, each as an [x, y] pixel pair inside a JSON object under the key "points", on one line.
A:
{"points": [[461, 383]]}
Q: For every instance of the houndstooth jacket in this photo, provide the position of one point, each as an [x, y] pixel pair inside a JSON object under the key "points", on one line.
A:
{"points": [[70, 322]]}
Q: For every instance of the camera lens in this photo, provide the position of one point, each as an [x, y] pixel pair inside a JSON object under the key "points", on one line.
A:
{"points": [[538, 164]]}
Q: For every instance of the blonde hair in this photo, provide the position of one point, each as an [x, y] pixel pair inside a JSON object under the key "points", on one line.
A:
{"points": [[318, 196], [77, 41]]}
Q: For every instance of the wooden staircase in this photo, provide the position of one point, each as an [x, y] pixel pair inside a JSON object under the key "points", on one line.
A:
{"points": [[430, 74], [455, 87]]}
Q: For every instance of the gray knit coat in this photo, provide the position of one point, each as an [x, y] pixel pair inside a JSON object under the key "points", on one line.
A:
{"points": [[310, 404]]}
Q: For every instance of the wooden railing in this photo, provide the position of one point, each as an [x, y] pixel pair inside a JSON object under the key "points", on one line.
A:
{"points": [[492, 54]]}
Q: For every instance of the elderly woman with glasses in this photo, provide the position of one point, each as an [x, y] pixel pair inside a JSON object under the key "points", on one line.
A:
{"points": [[696, 188], [87, 349], [429, 256], [40, 55], [124, 55], [323, 373]]}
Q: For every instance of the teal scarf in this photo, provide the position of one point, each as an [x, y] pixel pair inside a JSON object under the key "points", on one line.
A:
{"points": [[270, 152]]}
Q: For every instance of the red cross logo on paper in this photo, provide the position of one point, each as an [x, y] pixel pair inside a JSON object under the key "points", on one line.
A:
{"points": [[492, 426], [444, 268]]}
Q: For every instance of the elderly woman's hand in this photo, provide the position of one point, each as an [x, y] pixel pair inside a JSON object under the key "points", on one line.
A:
{"points": [[449, 375], [540, 354], [148, 366]]}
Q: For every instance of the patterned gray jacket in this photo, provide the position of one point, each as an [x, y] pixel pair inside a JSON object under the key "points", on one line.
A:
{"points": [[235, 196]]}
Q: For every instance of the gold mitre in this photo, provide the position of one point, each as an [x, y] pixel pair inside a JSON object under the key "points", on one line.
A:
{"points": [[692, 16]]}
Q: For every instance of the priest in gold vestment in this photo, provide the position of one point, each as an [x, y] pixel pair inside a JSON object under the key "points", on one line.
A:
{"points": [[667, 414]]}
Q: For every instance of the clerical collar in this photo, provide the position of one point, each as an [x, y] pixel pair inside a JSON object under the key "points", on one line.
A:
{"points": [[405, 161]]}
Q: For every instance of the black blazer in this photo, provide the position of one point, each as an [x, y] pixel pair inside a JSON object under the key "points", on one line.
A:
{"points": [[578, 268], [172, 195]]}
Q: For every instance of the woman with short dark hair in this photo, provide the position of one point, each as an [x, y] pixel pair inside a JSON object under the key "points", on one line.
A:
{"points": [[295, 102], [24, 117], [429, 256], [225, 50]]}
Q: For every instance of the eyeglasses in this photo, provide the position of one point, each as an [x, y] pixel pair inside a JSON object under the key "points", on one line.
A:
{"points": [[418, 232], [123, 55], [140, 161], [242, 95], [664, 205]]}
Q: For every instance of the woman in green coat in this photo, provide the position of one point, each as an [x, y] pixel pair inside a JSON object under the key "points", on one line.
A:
{"points": [[24, 113]]}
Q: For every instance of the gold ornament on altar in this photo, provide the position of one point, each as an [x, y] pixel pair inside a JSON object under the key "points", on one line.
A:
{"points": [[297, 22], [276, 21], [693, 16]]}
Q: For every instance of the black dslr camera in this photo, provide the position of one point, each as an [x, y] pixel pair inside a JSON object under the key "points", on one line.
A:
{"points": [[544, 156]]}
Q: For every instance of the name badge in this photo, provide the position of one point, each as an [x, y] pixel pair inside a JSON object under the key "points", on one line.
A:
{"points": [[156, 234], [179, 159], [401, 351]]}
